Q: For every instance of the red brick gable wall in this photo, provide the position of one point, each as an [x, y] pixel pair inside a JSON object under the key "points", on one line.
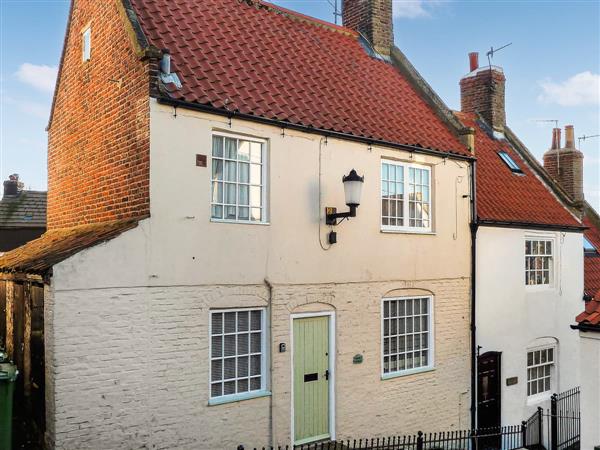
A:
{"points": [[98, 150]]}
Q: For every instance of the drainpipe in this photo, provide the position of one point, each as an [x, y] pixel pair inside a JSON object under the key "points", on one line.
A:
{"points": [[270, 346], [474, 227]]}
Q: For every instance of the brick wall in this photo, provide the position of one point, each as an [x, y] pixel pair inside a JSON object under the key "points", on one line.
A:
{"points": [[372, 18], [98, 151], [483, 92], [566, 166], [130, 366]]}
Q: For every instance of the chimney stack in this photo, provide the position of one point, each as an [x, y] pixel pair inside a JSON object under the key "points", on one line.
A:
{"points": [[482, 92], [12, 186], [372, 19], [565, 165]]}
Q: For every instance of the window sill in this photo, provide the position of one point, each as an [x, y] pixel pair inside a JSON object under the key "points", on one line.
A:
{"points": [[389, 376], [407, 231], [539, 398], [239, 222], [540, 288], [238, 397]]}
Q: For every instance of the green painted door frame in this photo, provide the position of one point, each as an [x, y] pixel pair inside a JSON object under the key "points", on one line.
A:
{"points": [[312, 378]]}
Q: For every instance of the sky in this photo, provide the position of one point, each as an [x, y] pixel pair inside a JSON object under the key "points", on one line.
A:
{"points": [[552, 67]]}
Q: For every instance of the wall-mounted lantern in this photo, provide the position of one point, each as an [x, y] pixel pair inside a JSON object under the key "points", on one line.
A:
{"points": [[353, 184]]}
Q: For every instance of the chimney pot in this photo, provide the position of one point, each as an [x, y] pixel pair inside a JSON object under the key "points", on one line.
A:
{"points": [[473, 61], [569, 136], [555, 138]]}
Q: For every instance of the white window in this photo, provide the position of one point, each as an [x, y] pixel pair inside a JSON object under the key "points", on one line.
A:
{"points": [[407, 335], [405, 196], [87, 44], [237, 352], [238, 179], [539, 262], [540, 368]]}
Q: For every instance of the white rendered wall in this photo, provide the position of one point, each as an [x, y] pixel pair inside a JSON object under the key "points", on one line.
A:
{"points": [[131, 315], [512, 317], [590, 386]]}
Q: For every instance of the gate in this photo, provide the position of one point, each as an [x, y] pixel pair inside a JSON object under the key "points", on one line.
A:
{"points": [[565, 421]]}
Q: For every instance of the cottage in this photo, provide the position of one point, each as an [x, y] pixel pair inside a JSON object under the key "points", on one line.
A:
{"points": [[200, 291], [529, 269], [22, 214]]}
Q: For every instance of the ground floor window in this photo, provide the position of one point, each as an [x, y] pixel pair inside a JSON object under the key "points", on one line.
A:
{"points": [[407, 334], [540, 368], [237, 351]]}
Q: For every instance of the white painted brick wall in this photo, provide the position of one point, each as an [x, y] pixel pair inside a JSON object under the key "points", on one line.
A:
{"points": [[130, 366]]}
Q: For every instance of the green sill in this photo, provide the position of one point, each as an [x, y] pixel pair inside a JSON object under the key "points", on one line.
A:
{"points": [[237, 397], [389, 376]]}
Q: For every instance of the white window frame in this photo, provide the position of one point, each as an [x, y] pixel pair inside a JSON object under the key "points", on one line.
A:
{"points": [[86, 43], [538, 396], [264, 178], [431, 337], [265, 376], [406, 202], [553, 261]]}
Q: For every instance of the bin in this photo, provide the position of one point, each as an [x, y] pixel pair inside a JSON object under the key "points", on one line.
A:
{"points": [[8, 376]]}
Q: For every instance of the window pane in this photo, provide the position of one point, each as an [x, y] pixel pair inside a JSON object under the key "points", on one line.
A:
{"points": [[243, 150], [230, 148], [217, 149]]}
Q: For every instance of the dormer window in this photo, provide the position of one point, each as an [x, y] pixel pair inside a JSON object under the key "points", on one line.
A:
{"points": [[87, 44], [512, 165]]}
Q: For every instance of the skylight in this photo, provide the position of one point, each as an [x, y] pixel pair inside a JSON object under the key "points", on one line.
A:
{"points": [[588, 247], [512, 165]]}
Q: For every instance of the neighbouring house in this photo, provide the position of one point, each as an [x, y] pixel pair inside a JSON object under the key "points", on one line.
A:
{"points": [[529, 270], [22, 214], [588, 326], [565, 166], [196, 293]]}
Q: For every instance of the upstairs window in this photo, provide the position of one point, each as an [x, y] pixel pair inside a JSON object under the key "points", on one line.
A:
{"points": [[238, 179], [539, 262], [405, 197], [512, 165], [87, 44], [540, 368]]}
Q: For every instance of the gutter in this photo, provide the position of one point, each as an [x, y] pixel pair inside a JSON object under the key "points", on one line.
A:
{"points": [[585, 327], [474, 228], [531, 225], [309, 129]]}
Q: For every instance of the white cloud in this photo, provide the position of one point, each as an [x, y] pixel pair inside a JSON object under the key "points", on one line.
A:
{"points": [[412, 9], [39, 76], [580, 89]]}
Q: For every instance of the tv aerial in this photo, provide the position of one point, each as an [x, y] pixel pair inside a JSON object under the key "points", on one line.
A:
{"points": [[492, 51]]}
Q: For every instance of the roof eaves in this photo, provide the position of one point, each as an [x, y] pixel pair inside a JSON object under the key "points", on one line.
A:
{"points": [[310, 129]]}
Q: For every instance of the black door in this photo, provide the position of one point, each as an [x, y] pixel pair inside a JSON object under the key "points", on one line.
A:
{"points": [[488, 399]]}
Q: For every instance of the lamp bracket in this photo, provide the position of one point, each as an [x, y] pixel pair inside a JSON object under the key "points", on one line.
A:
{"points": [[332, 216]]}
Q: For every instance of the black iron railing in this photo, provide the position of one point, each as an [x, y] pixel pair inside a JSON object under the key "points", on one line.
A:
{"points": [[505, 438]]}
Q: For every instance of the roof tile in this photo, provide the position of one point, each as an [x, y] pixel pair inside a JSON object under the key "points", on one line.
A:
{"points": [[508, 197], [259, 59]]}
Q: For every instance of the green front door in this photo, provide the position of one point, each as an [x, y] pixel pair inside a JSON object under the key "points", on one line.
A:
{"points": [[311, 379]]}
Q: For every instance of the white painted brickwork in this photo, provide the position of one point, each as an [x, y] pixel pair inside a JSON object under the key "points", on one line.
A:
{"points": [[130, 366]]}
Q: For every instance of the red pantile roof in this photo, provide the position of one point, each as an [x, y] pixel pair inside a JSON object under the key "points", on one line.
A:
{"points": [[255, 58], [503, 196], [591, 315], [56, 245]]}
